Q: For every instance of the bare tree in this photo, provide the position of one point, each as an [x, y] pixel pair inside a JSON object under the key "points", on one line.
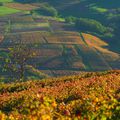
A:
{"points": [[16, 62]]}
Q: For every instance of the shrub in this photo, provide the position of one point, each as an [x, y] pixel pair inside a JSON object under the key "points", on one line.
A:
{"points": [[46, 10]]}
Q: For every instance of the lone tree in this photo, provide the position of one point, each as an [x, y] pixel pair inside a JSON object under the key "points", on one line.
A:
{"points": [[16, 61]]}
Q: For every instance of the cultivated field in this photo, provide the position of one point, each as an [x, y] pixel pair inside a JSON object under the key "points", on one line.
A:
{"points": [[18, 6], [6, 1], [85, 96], [58, 49], [5, 11], [65, 51]]}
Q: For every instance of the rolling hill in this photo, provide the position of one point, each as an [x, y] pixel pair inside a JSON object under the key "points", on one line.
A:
{"points": [[62, 48], [59, 60]]}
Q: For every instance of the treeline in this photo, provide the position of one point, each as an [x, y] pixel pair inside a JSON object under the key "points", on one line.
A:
{"points": [[90, 25], [46, 10], [25, 1]]}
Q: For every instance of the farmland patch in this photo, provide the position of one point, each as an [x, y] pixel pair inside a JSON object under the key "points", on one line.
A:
{"points": [[5, 10], [18, 6]]}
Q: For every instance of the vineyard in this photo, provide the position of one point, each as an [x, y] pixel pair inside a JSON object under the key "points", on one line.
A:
{"points": [[63, 50], [59, 60], [19, 6], [59, 48], [86, 96]]}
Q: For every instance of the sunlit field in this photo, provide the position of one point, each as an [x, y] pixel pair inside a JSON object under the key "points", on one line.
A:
{"points": [[85, 97], [59, 60], [5, 11]]}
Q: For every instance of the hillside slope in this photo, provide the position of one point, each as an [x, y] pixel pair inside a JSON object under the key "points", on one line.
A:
{"points": [[86, 96], [61, 45], [58, 47]]}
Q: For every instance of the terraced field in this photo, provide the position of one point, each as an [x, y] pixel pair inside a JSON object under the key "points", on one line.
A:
{"points": [[18, 6], [59, 50]]}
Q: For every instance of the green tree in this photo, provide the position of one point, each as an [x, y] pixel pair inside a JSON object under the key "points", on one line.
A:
{"points": [[90, 25], [70, 19], [46, 10]]}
